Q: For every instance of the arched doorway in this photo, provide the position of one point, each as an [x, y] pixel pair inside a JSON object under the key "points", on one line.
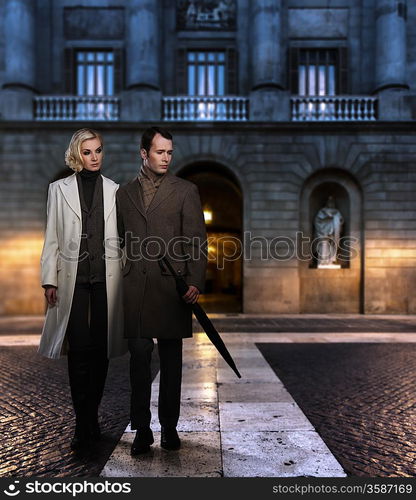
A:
{"points": [[222, 202]]}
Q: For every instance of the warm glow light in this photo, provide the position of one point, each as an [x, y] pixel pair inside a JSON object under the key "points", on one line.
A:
{"points": [[20, 290], [212, 250], [208, 216]]}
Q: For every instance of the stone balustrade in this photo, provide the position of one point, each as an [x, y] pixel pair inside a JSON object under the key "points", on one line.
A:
{"points": [[65, 108], [333, 108]]}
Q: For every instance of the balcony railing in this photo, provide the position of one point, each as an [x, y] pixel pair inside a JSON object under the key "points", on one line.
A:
{"points": [[64, 108], [334, 108], [205, 108]]}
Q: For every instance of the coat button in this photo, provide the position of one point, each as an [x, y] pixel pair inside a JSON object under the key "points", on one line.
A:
{"points": [[144, 270], [178, 271], [69, 275]]}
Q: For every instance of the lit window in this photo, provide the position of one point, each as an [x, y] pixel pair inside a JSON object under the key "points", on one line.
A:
{"points": [[95, 73], [317, 72], [206, 73]]}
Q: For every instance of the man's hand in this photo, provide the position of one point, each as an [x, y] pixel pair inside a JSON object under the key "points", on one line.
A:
{"points": [[192, 295], [50, 294]]}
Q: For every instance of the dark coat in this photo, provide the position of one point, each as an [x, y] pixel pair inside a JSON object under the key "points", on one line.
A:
{"points": [[91, 264], [152, 306]]}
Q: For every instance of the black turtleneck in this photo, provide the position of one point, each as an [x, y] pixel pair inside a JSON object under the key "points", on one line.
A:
{"points": [[88, 179]]}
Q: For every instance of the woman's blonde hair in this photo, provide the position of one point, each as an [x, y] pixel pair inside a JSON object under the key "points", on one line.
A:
{"points": [[73, 157]]}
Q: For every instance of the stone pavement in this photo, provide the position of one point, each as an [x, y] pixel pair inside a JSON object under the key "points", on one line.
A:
{"points": [[37, 423], [230, 427], [359, 396]]}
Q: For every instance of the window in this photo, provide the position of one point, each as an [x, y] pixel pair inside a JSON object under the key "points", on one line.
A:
{"points": [[95, 76], [207, 76], [206, 73], [94, 73], [318, 72]]}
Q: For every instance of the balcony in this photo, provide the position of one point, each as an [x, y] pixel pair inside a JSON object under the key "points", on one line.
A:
{"points": [[205, 108], [333, 108], [64, 108]]}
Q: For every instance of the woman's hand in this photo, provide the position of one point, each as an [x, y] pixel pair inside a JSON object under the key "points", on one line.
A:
{"points": [[50, 294], [192, 295]]}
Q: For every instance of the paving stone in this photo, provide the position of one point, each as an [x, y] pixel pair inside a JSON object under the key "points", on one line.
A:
{"points": [[262, 417], [277, 454], [199, 456], [204, 391], [254, 392]]}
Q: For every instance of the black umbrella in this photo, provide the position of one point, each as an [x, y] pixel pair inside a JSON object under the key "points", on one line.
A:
{"points": [[203, 319]]}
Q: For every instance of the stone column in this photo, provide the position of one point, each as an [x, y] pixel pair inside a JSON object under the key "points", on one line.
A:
{"points": [[142, 99], [390, 45], [16, 100], [267, 101], [390, 77]]}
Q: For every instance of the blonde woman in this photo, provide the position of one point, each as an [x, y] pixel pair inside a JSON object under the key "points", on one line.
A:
{"points": [[81, 275]]}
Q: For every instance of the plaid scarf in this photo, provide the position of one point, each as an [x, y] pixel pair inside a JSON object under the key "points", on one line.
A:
{"points": [[149, 183]]}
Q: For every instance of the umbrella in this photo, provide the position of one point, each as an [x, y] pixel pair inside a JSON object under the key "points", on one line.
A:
{"points": [[203, 319]]}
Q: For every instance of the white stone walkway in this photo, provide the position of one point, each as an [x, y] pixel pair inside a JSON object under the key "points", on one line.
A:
{"points": [[249, 427], [234, 427]]}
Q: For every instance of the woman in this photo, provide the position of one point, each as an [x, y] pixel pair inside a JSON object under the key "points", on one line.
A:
{"points": [[81, 275]]}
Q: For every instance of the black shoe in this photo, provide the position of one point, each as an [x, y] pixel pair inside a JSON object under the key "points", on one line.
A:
{"points": [[142, 441], [80, 440], [169, 439]]}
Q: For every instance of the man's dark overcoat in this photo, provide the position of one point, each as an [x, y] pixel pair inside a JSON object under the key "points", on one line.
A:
{"points": [[174, 224]]}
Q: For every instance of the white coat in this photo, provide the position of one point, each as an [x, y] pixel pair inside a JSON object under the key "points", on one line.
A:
{"points": [[59, 262]]}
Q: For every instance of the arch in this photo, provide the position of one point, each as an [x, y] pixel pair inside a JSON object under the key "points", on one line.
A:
{"points": [[333, 290], [216, 161], [222, 198]]}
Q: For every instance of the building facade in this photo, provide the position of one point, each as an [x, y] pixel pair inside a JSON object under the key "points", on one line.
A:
{"points": [[281, 110]]}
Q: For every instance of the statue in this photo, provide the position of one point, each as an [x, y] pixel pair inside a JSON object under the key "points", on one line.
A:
{"points": [[328, 224], [208, 14]]}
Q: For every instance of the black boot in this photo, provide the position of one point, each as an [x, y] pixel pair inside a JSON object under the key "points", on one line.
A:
{"points": [[142, 441], [81, 438], [169, 439]]}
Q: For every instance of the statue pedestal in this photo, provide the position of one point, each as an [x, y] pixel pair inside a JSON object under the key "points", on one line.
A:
{"points": [[329, 266]]}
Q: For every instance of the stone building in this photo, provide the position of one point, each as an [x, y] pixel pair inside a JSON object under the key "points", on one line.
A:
{"points": [[275, 106]]}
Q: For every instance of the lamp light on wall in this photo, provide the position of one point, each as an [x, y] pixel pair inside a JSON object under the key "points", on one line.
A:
{"points": [[207, 215]]}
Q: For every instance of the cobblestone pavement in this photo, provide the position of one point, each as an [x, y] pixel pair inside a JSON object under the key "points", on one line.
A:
{"points": [[309, 323], [313, 324], [37, 420], [361, 399]]}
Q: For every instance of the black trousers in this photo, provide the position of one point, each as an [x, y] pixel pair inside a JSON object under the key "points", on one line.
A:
{"points": [[87, 355], [170, 355]]}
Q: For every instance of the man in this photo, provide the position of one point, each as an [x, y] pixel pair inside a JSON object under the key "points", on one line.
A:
{"points": [[159, 213]]}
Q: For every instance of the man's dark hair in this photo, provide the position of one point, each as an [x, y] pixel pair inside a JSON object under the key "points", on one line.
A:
{"points": [[148, 135]]}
